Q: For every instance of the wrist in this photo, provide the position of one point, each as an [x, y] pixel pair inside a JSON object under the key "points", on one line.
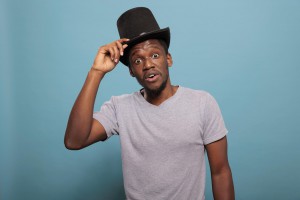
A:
{"points": [[96, 72]]}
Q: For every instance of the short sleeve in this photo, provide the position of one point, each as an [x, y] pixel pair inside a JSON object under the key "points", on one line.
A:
{"points": [[214, 126], [107, 117]]}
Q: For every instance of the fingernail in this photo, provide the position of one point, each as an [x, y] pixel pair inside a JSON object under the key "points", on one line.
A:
{"points": [[121, 53], [116, 60]]}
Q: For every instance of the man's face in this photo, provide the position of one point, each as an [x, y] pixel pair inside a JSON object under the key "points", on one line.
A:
{"points": [[149, 64]]}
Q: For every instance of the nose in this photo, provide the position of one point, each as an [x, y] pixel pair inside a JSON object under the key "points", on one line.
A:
{"points": [[148, 64]]}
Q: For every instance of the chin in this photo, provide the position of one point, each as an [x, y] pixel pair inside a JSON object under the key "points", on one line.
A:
{"points": [[155, 91]]}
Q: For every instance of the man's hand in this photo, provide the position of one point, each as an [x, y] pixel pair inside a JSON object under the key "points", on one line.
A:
{"points": [[82, 130], [108, 55]]}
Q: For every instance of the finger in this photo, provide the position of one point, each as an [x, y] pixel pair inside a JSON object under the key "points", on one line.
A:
{"points": [[124, 46], [112, 53], [120, 47], [103, 50], [116, 53], [123, 40]]}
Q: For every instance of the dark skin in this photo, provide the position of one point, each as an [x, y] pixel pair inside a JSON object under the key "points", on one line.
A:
{"points": [[149, 64], [149, 58]]}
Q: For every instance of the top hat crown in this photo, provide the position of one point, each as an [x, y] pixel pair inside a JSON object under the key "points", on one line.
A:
{"points": [[139, 24]]}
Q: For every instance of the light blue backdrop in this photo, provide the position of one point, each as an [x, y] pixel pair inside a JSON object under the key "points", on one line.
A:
{"points": [[246, 53]]}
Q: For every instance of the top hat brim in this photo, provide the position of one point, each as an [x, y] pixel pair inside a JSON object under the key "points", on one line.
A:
{"points": [[163, 34]]}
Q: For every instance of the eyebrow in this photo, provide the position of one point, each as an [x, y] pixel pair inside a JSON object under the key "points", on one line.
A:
{"points": [[154, 46]]}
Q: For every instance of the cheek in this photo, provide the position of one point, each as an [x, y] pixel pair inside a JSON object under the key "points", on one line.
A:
{"points": [[136, 72], [160, 63]]}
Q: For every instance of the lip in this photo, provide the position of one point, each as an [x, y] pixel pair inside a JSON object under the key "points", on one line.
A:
{"points": [[151, 72], [153, 79]]}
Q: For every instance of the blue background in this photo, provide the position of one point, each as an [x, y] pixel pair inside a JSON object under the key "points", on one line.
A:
{"points": [[245, 53]]}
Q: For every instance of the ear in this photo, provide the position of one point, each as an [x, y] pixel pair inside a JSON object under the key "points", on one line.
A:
{"points": [[169, 60], [131, 72]]}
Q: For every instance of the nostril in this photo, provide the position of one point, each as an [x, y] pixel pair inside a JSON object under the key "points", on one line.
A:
{"points": [[147, 67]]}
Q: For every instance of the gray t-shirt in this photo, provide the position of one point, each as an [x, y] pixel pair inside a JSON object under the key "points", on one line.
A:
{"points": [[163, 154]]}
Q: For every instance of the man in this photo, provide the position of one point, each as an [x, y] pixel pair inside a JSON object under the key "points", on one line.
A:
{"points": [[164, 129]]}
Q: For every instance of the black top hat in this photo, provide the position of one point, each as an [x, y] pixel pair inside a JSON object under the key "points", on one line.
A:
{"points": [[138, 24]]}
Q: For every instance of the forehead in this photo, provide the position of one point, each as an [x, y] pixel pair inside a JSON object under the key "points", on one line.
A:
{"points": [[146, 45]]}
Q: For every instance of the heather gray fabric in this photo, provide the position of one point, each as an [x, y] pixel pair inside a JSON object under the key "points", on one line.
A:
{"points": [[163, 146]]}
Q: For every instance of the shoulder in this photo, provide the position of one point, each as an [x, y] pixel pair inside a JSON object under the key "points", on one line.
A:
{"points": [[195, 93], [124, 98], [201, 98]]}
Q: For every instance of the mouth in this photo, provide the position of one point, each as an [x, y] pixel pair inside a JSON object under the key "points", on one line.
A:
{"points": [[151, 76]]}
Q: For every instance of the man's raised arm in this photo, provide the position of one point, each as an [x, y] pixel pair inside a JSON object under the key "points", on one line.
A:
{"points": [[82, 130]]}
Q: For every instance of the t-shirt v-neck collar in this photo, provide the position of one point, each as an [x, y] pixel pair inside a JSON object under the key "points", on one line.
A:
{"points": [[164, 103]]}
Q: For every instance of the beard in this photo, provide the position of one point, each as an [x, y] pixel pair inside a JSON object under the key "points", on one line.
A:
{"points": [[156, 92]]}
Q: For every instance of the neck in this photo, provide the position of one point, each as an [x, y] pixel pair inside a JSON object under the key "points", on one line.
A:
{"points": [[157, 99]]}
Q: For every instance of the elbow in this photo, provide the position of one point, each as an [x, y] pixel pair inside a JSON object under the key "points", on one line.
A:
{"points": [[72, 139], [71, 145]]}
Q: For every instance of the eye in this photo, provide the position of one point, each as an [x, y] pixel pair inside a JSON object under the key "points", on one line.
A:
{"points": [[156, 55], [137, 61]]}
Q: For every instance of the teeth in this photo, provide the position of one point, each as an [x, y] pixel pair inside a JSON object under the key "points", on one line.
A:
{"points": [[151, 76]]}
